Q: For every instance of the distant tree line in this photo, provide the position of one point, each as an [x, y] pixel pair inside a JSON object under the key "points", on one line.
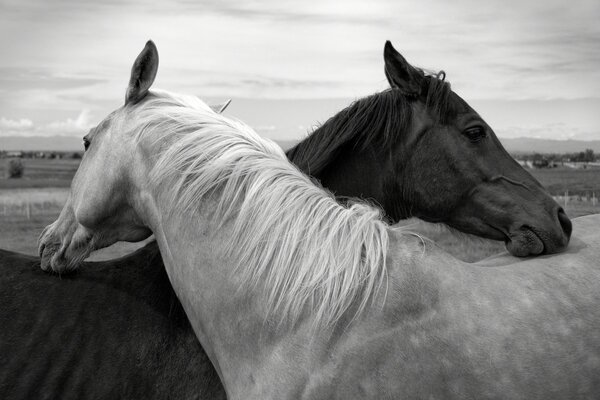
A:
{"points": [[587, 155]]}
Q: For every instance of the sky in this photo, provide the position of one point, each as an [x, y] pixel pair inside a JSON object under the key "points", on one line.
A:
{"points": [[531, 68]]}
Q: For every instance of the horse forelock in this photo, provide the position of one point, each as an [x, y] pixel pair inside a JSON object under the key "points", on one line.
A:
{"points": [[441, 102], [377, 120], [290, 237]]}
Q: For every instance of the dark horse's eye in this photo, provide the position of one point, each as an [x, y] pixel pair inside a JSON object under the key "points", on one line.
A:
{"points": [[475, 134], [86, 143]]}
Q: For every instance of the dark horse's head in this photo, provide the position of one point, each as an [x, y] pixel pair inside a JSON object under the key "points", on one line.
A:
{"points": [[420, 150]]}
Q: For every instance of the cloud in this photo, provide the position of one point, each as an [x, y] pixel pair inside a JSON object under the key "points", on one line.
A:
{"points": [[65, 55], [22, 124], [489, 50], [556, 131], [18, 79], [354, 12], [265, 128], [69, 127]]}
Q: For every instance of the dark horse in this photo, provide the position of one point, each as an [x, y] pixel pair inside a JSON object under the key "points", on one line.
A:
{"points": [[116, 330]]}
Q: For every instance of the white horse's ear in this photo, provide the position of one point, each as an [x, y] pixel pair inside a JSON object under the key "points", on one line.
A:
{"points": [[400, 74], [143, 73], [219, 108]]}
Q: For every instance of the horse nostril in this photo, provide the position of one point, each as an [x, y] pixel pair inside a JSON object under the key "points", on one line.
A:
{"points": [[565, 222]]}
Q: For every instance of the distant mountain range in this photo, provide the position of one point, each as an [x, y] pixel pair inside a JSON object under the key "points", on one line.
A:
{"points": [[47, 143], [516, 145], [534, 145]]}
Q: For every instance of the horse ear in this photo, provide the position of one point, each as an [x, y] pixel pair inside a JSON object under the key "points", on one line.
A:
{"points": [[219, 108], [400, 74], [143, 73]]}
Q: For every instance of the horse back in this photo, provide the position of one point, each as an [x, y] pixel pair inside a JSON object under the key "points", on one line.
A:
{"points": [[111, 330]]}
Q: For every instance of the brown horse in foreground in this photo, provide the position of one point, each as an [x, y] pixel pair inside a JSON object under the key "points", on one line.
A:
{"points": [[295, 296]]}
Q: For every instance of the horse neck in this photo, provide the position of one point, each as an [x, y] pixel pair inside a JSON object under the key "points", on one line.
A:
{"points": [[202, 277], [231, 324], [360, 162], [355, 174], [248, 350], [371, 174]]}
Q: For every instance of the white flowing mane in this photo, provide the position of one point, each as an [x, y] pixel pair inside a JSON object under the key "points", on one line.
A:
{"points": [[290, 237]]}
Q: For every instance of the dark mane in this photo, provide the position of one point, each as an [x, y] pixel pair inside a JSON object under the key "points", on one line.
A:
{"points": [[378, 119]]}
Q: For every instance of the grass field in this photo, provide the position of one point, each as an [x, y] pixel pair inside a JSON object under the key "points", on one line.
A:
{"points": [[30, 203], [40, 173], [576, 181]]}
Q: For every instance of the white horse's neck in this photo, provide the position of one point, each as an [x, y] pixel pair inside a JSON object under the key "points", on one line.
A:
{"points": [[230, 324], [241, 325], [247, 346]]}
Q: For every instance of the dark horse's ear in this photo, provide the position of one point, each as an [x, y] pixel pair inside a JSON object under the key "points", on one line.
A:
{"points": [[400, 74], [143, 73]]}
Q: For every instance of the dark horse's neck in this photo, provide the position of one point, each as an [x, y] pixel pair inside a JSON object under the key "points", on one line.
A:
{"points": [[357, 153]]}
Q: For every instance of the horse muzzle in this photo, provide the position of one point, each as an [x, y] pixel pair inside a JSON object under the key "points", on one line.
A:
{"points": [[529, 240], [61, 255]]}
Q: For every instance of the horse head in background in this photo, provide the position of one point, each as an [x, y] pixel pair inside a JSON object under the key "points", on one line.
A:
{"points": [[420, 150]]}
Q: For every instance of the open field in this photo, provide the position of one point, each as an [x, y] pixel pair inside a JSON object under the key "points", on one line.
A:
{"points": [[40, 173], [576, 181]]}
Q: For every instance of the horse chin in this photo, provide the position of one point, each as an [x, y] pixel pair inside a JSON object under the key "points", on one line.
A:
{"points": [[524, 242]]}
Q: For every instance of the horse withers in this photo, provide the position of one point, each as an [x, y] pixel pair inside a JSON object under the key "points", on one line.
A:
{"points": [[293, 295]]}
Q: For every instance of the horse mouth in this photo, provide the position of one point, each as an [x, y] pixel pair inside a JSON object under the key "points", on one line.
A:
{"points": [[524, 242], [46, 251], [47, 248], [49, 258], [53, 259]]}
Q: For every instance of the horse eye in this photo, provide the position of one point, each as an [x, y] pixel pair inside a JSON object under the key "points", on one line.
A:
{"points": [[475, 134], [86, 143]]}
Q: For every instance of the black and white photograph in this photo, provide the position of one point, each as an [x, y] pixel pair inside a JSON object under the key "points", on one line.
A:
{"points": [[248, 200]]}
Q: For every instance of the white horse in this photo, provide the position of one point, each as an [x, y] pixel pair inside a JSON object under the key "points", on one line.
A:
{"points": [[295, 296]]}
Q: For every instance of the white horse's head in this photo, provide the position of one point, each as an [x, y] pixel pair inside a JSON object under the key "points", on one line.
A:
{"points": [[100, 207]]}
